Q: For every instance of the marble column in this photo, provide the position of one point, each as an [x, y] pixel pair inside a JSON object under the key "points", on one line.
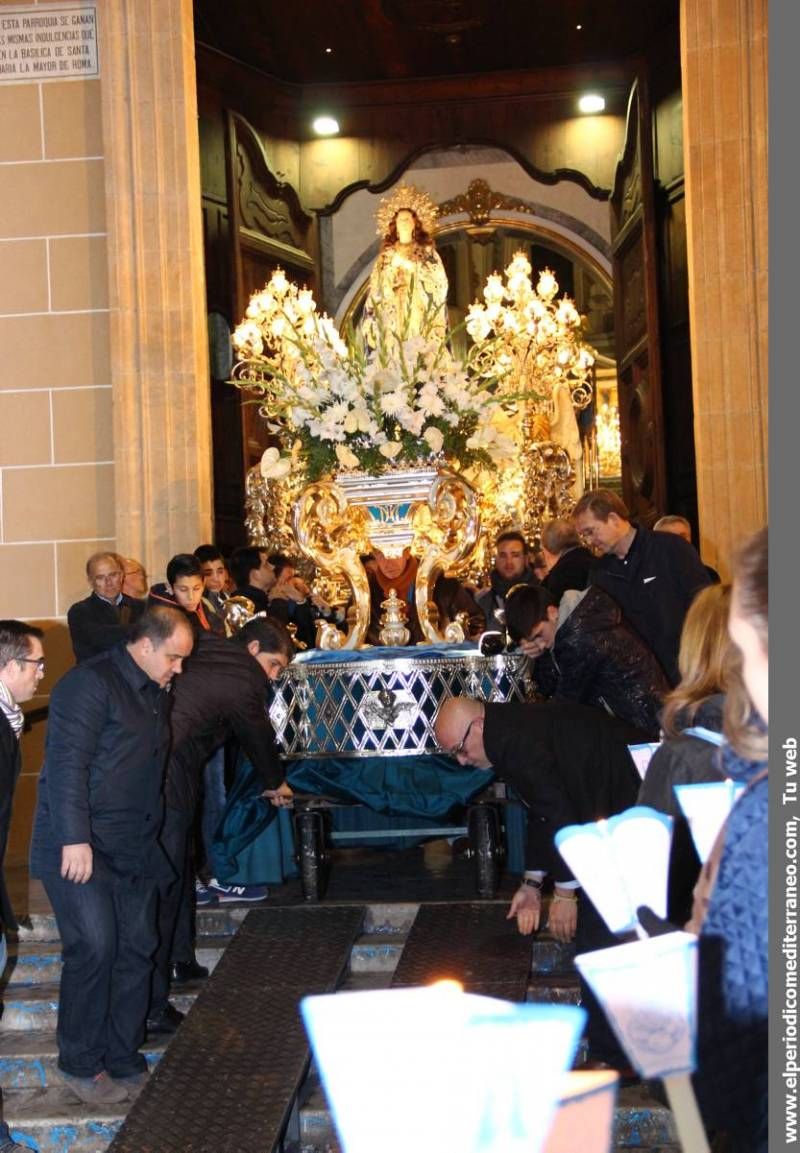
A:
{"points": [[159, 350], [725, 122]]}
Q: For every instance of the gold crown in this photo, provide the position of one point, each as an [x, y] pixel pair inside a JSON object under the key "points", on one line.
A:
{"points": [[412, 198]]}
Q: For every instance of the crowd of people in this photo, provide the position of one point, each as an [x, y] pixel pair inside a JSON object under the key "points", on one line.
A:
{"points": [[631, 638]]}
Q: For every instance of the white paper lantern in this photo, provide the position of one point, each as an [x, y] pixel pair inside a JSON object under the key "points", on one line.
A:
{"points": [[621, 863], [706, 807], [432, 1068]]}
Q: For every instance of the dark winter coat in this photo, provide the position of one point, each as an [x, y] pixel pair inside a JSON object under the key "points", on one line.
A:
{"points": [[96, 626], [222, 691], [10, 764], [107, 742], [731, 1078], [571, 571], [597, 659], [654, 586], [569, 763], [683, 760]]}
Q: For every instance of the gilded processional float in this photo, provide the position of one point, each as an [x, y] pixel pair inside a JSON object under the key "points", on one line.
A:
{"points": [[383, 440]]}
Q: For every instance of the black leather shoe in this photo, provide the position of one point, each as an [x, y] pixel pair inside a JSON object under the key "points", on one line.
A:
{"points": [[166, 1020], [182, 971]]}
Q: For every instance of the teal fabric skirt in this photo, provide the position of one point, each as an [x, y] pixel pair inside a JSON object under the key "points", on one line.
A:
{"points": [[254, 842]]}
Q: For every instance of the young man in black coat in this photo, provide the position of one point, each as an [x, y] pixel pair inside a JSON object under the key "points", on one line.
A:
{"points": [[653, 576], [583, 651], [95, 848], [105, 617], [21, 669], [222, 693], [569, 764]]}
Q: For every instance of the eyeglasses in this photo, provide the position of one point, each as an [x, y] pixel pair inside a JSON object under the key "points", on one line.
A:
{"points": [[38, 661], [459, 748]]}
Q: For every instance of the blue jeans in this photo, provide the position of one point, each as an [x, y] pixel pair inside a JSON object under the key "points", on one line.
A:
{"points": [[213, 803], [108, 935]]}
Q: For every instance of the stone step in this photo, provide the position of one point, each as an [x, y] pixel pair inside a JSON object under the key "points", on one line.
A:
{"points": [[28, 1059], [35, 1007], [38, 962], [53, 1120], [224, 920], [641, 1121]]}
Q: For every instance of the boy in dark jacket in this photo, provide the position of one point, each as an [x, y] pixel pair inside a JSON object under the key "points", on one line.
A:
{"points": [[584, 652]]}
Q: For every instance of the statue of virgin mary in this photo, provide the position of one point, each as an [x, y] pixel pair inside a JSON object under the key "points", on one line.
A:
{"points": [[407, 294]]}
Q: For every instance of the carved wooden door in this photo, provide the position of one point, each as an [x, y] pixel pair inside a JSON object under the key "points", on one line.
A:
{"points": [[633, 232]]}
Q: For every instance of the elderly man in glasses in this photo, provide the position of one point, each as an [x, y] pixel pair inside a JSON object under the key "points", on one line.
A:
{"points": [[570, 764], [106, 615]]}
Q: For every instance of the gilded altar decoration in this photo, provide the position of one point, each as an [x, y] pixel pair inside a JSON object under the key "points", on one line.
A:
{"points": [[384, 440]]}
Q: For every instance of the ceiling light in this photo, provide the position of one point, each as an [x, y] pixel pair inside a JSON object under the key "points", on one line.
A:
{"points": [[591, 102], [578, 27], [328, 51], [325, 126]]}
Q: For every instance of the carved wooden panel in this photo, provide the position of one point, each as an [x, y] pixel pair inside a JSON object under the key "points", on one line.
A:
{"points": [[637, 317], [265, 205]]}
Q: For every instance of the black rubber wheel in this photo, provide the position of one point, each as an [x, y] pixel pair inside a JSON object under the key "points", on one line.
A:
{"points": [[484, 836], [312, 856]]}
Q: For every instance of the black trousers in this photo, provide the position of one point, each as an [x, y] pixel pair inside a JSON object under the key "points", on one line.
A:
{"points": [[593, 933], [108, 935], [175, 905]]}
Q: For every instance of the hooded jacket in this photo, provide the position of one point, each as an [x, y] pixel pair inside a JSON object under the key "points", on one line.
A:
{"points": [[599, 660]]}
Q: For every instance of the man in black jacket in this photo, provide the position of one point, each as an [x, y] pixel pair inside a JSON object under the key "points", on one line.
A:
{"points": [[570, 764], [222, 693], [653, 576], [583, 651], [511, 568], [21, 669], [95, 847], [105, 617]]}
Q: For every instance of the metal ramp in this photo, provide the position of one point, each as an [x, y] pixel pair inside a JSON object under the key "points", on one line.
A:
{"points": [[470, 942], [229, 1078]]}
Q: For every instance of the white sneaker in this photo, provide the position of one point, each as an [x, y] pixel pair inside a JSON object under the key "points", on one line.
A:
{"points": [[228, 894]]}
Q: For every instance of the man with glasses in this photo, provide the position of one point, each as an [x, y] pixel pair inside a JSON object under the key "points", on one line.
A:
{"points": [[107, 614], [653, 576], [21, 670]]}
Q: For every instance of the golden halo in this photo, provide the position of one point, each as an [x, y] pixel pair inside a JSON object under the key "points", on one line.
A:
{"points": [[410, 197]]}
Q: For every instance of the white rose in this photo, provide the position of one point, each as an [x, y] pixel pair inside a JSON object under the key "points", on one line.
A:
{"points": [[434, 437], [391, 449], [346, 458]]}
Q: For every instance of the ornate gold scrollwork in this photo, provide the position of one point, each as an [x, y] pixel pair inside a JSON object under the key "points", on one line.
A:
{"points": [[455, 526], [330, 533]]}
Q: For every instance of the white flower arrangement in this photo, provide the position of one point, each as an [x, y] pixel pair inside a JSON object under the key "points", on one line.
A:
{"points": [[335, 408]]}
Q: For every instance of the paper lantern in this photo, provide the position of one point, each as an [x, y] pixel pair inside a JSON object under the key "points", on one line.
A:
{"points": [[621, 863], [431, 1068]]}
